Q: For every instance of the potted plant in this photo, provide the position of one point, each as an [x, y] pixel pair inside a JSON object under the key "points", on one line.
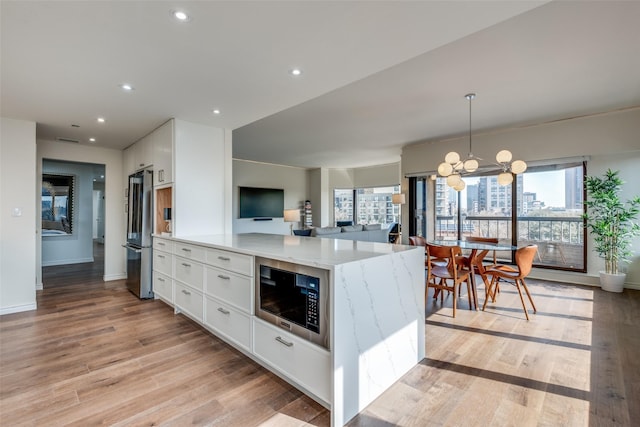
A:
{"points": [[612, 223]]}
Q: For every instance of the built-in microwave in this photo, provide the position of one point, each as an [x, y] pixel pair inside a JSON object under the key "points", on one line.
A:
{"points": [[294, 297]]}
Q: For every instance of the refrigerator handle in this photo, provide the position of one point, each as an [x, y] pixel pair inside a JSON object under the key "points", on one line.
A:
{"points": [[131, 248]]}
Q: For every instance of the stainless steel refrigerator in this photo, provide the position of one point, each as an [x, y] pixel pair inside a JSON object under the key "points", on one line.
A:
{"points": [[139, 229]]}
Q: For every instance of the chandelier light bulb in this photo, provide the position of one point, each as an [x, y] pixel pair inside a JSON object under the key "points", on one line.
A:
{"points": [[504, 156], [452, 157], [505, 178], [471, 165], [445, 169], [518, 166], [453, 180], [459, 186]]}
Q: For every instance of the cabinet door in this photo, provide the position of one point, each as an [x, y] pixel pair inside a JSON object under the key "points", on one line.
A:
{"points": [[163, 154], [228, 322], [189, 300], [163, 262], [129, 160], [142, 151], [163, 287], [231, 288], [304, 363], [189, 272]]}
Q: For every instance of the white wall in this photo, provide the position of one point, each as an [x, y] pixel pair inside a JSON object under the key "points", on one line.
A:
{"points": [[18, 190], [252, 174], [611, 140], [77, 247], [114, 255]]}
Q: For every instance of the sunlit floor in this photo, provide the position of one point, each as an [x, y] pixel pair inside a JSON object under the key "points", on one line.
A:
{"points": [[573, 364]]}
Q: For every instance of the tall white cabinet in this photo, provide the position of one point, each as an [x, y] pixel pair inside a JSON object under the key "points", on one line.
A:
{"points": [[192, 177]]}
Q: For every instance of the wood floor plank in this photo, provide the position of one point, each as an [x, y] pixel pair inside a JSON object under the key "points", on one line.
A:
{"points": [[92, 353]]}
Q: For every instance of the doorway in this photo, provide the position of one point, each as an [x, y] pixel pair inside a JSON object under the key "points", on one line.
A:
{"points": [[77, 255]]}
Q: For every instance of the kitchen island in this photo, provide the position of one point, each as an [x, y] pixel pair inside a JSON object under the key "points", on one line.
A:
{"points": [[375, 309]]}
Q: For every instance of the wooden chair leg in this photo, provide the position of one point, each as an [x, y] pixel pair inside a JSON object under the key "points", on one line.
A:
{"points": [[454, 300], [491, 285], [521, 299], [469, 294], [524, 285]]}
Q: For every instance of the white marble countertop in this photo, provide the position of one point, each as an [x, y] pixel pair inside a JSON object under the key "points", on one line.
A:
{"points": [[313, 251]]}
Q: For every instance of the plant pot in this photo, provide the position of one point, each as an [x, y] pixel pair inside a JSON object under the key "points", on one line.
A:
{"points": [[612, 282]]}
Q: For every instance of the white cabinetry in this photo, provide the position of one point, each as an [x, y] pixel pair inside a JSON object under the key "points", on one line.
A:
{"points": [[129, 161], [163, 154], [303, 362], [163, 269], [143, 153]]}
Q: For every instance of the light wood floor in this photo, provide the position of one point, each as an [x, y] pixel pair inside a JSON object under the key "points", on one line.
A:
{"points": [[94, 354]]}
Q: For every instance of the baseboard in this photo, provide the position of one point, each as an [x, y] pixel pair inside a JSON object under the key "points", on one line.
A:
{"points": [[110, 277], [67, 261], [39, 286], [18, 308]]}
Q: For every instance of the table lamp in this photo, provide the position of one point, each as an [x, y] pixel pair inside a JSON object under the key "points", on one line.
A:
{"points": [[291, 215]]}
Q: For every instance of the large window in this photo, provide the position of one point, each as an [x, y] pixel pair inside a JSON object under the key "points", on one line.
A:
{"points": [[371, 205], [543, 206]]}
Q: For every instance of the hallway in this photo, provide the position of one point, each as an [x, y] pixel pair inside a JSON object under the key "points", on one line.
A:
{"points": [[73, 274]]}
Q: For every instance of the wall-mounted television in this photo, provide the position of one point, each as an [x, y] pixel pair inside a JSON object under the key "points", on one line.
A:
{"points": [[261, 202]]}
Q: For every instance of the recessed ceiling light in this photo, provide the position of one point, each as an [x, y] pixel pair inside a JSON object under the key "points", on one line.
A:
{"points": [[92, 140], [295, 72], [216, 111], [181, 15], [101, 120], [126, 87]]}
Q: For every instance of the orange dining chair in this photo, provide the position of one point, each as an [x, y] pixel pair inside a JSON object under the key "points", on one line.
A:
{"points": [[439, 274], [478, 266], [524, 262]]}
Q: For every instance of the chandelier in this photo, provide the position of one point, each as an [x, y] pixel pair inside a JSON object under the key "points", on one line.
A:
{"points": [[453, 167]]}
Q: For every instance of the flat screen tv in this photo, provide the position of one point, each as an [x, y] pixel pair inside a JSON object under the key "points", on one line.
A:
{"points": [[261, 202]]}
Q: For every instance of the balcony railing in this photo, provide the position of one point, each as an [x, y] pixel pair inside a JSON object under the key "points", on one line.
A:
{"points": [[560, 240]]}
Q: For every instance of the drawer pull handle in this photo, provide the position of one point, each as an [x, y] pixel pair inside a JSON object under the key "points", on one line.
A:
{"points": [[160, 244], [186, 249], [223, 277], [223, 311], [186, 292], [281, 341], [184, 264], [161, 256], [224, 258], [160, 279]]}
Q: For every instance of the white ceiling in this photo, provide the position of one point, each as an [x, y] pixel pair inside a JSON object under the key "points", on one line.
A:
{"points": [[377, 75]]}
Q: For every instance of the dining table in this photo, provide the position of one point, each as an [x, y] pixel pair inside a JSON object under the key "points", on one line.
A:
{"points": [[477, 252]]}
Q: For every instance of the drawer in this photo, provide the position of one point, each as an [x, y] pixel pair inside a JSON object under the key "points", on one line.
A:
{"points": [[185, 250], [163, 245], [304, 363], [163, 262], [232, 288], [189, 300], [189, 272], [240, 263], [228, 322], [163, 287]]}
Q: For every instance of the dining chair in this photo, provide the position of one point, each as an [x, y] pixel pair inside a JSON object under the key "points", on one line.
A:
{"points": [[524, 262], [439, 274], [478, 265]]}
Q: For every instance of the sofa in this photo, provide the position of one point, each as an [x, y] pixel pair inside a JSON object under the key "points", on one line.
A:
{"points": [[366, 233]]}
